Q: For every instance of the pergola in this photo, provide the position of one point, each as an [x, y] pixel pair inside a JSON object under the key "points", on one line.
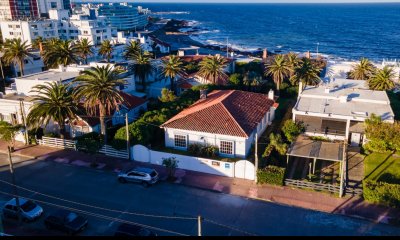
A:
{"points": [[305, 147]]}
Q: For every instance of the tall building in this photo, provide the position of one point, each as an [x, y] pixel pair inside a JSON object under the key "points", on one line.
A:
{"points": [[18, 9]]}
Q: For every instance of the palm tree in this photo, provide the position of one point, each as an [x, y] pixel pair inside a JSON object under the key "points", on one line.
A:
{"points": [[37, 43], [53, 101], [275, 143], [84, 49], [279, 69], [383, 79], [1, 68], [142, 68], [172, 67], [15, 52], [97, 87], [362, 71], [306, 73], [63, 52], [132, 50], [213, 67], [106, 49], [293, 61]]}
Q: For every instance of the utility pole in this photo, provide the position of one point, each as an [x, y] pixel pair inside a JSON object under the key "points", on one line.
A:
{"points": [[317, 49], [128, 144], [227, 53], [256, 158], [14, 185], [199, 225], [22, 109]]}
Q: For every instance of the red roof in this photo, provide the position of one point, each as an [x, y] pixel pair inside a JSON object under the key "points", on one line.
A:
{"points": [[225, 112], [185, 85], [131, 101]]}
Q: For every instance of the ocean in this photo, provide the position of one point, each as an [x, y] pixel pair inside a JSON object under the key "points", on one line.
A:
{"points": [[347, 31]]}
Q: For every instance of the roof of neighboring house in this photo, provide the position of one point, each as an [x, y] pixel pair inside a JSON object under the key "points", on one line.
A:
{"points": [[158, 41], [197, 58], [225, 112], [357, 100]]}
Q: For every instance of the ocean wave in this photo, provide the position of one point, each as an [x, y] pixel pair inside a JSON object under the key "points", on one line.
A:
{"points": [[169, 13]]}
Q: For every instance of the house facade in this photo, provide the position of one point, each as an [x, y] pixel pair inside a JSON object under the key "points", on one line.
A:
{"points": [[227, 119], [338, 109]]}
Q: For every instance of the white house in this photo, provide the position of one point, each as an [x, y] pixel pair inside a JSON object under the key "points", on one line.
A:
{"points": [[228, 119], [337, 109]]}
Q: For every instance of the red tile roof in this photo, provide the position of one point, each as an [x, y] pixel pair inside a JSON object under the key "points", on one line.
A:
{"points": [[225, 112], [131, 101]]}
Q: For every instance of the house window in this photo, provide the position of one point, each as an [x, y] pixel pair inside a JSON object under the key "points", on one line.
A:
{"points": [[226, 147], [180, 141]]}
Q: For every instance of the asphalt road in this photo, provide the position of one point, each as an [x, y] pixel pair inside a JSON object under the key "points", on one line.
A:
{"points": [[106, 202]]}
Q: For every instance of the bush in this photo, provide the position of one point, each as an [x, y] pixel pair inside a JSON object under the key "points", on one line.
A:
{"points": [[171, 164], [235, 79], [271, 175], [52, 135], [195, 149], [382, 193], [90, 142], [34, 134], [292, 129], [209, 151]]}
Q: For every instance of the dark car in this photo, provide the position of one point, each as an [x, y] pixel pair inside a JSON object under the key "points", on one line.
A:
{"points": [[133, 230], [66, 221]]}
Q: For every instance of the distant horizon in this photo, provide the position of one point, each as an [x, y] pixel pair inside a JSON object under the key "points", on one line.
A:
{"points": [[249, 1]]}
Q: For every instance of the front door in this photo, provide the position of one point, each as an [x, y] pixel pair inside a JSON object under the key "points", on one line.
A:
{"points": [[355, 139]]}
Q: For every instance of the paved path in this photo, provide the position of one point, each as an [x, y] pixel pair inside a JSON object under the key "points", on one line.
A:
{"points": [[352, 205]]}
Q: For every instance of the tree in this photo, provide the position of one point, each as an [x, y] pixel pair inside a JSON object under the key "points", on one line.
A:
{"points": [[142, 68], [62, 52], [132, 50], [97, 89], [383, 80], [306, 73], [8, 132], [171, 164], [236, 79], [106, 49], [275, 143], [279, 69], [291, 130], [37, 42], [171, 68], [52, 101], [2, 88], [15, 52], [382, 136], [167, 95], [214, 67], [84, 49], [292, 61], [362, 71]]}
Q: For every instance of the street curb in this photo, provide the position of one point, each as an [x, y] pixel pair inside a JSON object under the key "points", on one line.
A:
{"points": [[19, 154]]}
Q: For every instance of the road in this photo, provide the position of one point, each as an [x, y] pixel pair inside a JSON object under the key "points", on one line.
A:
{"points": [[106, 202]]}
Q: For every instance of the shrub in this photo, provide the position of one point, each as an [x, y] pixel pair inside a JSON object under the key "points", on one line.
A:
{"points": [[292, 129], [167, 95], [33, 134], [271, 175], [171, 164], [90, 142], [319, 138], [235, 79], [209, 151], [195, 149], [382, 193], [52, 135]]}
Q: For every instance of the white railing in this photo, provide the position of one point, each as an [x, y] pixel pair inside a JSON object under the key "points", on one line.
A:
{"points": [[112, 152], [57, 143], [310, 185]]}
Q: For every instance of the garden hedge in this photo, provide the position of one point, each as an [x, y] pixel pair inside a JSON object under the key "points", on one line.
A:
{"points": [[271, 175], [383, 193]]}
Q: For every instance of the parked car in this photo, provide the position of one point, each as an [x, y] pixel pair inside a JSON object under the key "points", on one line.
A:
{"points": [[66, 221], [29, 209], [127, 230], [145, 176]]}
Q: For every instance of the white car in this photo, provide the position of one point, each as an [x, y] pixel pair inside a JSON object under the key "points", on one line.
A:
{"points": [[145, 176], [29, 209]]}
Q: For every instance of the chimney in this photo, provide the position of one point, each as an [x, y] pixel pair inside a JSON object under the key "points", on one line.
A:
{"points": [[327, 90], [271, 94], [308, 54], [265, 54], [181, 53], [203, 94]]}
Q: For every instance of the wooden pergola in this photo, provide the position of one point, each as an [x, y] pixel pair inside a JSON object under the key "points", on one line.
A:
{"points": [[305, 147]]}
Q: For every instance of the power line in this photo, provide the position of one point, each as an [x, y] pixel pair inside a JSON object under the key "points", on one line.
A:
{"points": [[226, 226], [97, 215]]}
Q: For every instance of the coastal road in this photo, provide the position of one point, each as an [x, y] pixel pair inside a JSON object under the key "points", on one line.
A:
{"points": [[105, 202]]}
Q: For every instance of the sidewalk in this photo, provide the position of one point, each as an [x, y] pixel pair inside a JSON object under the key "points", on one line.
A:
{"points": [[351, 206]]}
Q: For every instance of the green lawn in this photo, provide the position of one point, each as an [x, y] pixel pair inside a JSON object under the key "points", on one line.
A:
{"points": [[382, 167]]}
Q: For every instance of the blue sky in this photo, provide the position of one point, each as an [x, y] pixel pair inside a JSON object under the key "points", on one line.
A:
{"points": [[275, 1]]}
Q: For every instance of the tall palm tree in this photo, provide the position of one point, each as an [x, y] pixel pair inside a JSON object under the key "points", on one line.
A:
{"points": [[363, 70], [142, 68], [15, 52], [293, 61], [106, 49], [383, 79], [53, 101], [306, 73], [37, 43], [132, 50], [275, 143], [213, 67], [62, 53], [171, 68], [279, 69], [1, 67], [97, 88], [84, 49]]}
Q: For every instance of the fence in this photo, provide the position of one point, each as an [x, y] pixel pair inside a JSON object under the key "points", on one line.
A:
{"points": [[57, 143], [110, 151], [310, 185]]}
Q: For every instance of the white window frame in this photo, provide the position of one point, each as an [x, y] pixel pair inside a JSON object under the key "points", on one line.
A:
{"points": [[181, 135], [233, 147]]}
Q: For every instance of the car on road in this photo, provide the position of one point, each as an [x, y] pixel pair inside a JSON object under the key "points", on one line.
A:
{"points": [[29, 209], [145, 176], [66, 221], [128, 230]]}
